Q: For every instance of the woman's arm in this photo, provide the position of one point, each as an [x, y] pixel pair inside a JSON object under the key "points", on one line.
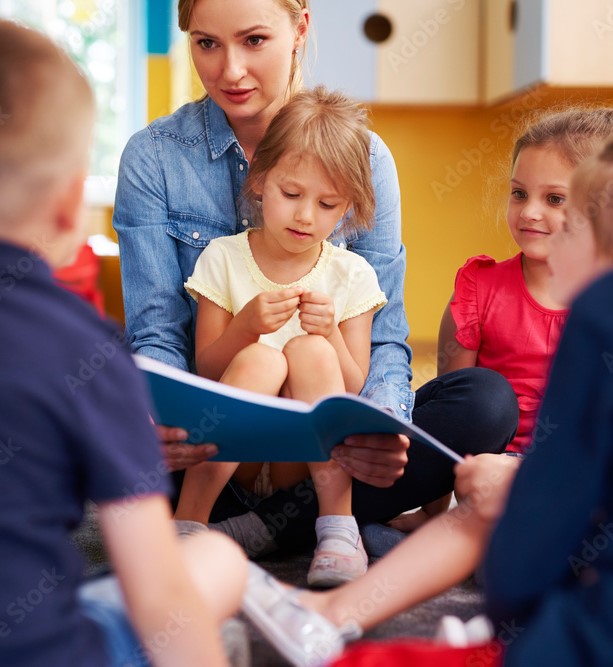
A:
{"points": [[388, 382], [158, 315], [451, 355]]}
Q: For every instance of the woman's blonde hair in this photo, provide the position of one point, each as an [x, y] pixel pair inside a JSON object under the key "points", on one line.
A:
{"points": [[592, 193], [575, 133], [293, 7], [333, 129]]}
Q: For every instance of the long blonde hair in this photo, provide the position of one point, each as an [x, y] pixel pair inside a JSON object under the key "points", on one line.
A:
{"points": [[293, 7], [333, 129]]}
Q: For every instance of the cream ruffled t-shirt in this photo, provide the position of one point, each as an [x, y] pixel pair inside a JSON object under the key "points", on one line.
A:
{"points": [[227, 274]]}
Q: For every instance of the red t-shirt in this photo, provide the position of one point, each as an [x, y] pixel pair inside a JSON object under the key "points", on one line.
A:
{"points": [[513, 334]]}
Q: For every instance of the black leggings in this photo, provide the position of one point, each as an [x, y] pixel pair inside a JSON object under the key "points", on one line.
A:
{"points": [[472, 411]]}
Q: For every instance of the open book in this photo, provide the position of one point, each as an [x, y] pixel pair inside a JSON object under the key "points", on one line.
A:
{"points": [[247, 426]]}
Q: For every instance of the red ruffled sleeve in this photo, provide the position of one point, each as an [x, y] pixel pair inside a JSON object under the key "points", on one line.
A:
{"points": [[465, 303]]}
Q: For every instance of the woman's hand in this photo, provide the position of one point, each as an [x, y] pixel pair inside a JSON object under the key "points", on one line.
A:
{"points": [[375, 459], [483, 482], [177, 453]]}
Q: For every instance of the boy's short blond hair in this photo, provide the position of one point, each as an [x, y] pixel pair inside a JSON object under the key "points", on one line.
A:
{"points": [[46, 114], [591, 192]]}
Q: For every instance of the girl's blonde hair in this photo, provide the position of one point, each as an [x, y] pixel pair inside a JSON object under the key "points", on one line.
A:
{"points": [[293, 7], [333, 129], [592, 193], [574, 133]]}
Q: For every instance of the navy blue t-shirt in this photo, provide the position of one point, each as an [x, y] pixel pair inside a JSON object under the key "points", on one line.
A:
{"points": [[549, 568], [73, 425]]}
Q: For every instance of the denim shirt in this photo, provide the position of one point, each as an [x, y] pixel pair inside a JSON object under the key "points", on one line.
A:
{"points": [[179, 186]]}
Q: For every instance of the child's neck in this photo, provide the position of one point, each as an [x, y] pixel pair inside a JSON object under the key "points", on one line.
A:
{"points": [[278, 265], [537, 277]]}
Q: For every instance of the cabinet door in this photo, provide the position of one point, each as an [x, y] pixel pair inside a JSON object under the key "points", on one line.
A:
{"points": [[339, 54], [430, 57], [580, 39], [499, 45], [531, 62]]}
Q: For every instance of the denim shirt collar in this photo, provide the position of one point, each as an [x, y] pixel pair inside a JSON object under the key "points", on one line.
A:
{"points": [[220, 135]]}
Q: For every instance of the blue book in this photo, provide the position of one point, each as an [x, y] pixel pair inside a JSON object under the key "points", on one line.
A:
{"points": [[247, 426]]}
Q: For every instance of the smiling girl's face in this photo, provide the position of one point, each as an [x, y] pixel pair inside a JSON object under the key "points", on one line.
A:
{"points": [[539, 189]]}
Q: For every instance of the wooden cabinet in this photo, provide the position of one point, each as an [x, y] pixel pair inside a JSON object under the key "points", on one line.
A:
{"points": [[561, 43], [430, 57]]}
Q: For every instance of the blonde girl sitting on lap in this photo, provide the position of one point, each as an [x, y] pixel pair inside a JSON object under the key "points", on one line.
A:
{"points": [[282, 311]]}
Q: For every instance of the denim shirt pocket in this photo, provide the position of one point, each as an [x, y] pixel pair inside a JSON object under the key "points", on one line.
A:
{"points": [[194, 233], [196, 230]]}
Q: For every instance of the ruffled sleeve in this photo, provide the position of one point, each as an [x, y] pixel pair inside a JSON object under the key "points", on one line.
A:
{"points": [[364, 293], [210, 276], [465, 302]]}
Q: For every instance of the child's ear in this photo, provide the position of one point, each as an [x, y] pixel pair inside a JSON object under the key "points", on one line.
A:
{"points": [[69, 203]]}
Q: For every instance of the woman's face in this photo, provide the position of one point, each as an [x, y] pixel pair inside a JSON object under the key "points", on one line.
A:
{"points": [[243, 52]]}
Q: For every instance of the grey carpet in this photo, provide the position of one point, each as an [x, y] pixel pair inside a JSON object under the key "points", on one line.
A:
{"points": [[463, 601]]}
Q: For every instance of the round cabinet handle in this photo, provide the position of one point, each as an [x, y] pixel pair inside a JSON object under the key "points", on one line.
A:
{"points": [[378, 28]]}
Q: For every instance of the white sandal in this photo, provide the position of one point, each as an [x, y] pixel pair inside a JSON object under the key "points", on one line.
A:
{"points": [[302, 636]]}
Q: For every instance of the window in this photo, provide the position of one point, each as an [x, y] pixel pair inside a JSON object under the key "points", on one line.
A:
{"points": [[106, 38]]}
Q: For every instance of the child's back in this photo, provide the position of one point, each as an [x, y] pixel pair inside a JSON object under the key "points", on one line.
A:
{"points": [[72, 426]]}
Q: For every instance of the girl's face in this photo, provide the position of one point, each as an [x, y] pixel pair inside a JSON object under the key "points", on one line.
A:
{"points": [[300, 205], [539, 189], [574, 259], [243, 52]]}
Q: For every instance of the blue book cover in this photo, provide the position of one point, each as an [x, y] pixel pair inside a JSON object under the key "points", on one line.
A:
{"points": [[247, 426]]}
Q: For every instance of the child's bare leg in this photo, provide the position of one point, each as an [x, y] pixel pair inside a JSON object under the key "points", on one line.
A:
{"points": [[208, 555], [314, 371], [410, 521], [256, 367], [441, 554]]}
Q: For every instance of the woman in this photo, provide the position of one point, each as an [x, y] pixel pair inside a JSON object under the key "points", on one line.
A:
{"points": [[179, 186]]}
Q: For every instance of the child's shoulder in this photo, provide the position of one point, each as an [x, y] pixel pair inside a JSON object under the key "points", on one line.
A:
{"points": [[480, 263]]}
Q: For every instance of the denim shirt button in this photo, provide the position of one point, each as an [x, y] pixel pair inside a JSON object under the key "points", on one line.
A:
{"points": [[241, 167], [196, 235], [341, 245], [403, 406], [244, 222]]}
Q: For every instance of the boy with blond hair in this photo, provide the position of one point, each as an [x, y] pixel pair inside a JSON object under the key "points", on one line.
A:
{"points": [[60, 443]]}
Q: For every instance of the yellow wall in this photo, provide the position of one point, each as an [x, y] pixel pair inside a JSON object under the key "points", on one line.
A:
{"points": [[466, 152], [453, 167]]}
